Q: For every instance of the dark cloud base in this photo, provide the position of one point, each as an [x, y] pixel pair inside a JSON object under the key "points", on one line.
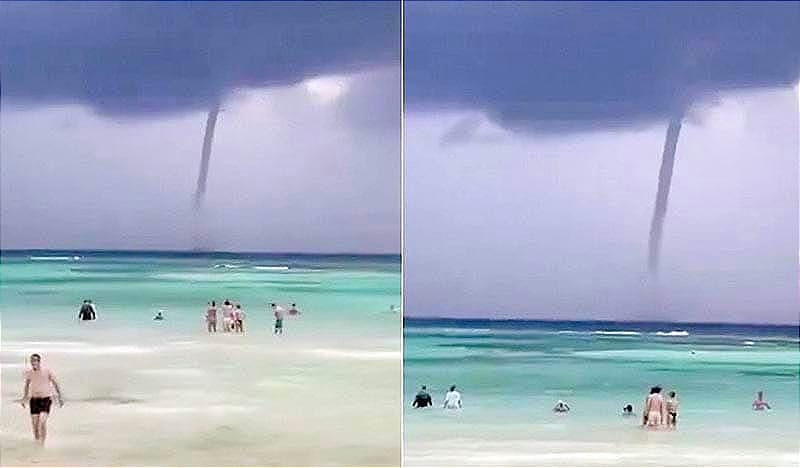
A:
{"points": [[566, 66], [132, 58]]}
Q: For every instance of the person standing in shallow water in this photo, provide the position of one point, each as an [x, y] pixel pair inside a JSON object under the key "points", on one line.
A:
{"points": [[211, 317], [452, 400], [238, 319], [654, 412], [277, 311], [672, 410], [759, 404], [38, 393], [86, 312], [423, 399]]}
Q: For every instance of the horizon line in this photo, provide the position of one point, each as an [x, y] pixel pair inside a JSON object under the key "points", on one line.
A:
{"points": [[635, 321], [198, 251]]}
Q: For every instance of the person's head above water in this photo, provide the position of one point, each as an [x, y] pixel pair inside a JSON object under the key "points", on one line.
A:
{"points": [[238, 306], [628, 408], [655, 389], [85, 301], [272, 305], [760, 394], [294, 305], [35, 361], [672, 394], [213, 303], [452, 388], [424, 387]]}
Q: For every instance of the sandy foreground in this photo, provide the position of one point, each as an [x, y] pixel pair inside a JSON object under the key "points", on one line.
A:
{"points": [[260, 400]]}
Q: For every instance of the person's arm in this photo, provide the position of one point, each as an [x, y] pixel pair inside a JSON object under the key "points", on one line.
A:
{"points": [[25, 391], [429, 400], [58, 390], [663, 412], [567, 406], [645, 411], [767, 405]]}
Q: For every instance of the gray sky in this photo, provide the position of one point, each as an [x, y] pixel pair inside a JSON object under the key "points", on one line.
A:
{"points": [[104, 110], [534, 135], [505, 224]]}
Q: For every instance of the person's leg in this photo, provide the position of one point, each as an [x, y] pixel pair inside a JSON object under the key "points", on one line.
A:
{"points": [[43, 427], [35, 425]]}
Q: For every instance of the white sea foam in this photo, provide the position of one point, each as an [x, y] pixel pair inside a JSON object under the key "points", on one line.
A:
{"points": [[227, 266], [748, 343], [53, 258], [672, 333], [272, 268]]}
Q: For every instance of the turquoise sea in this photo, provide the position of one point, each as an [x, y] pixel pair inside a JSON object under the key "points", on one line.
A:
{"points": [[511, 373], [185, 397]]}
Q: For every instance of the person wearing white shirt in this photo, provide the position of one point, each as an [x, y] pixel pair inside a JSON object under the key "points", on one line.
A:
{"points": [[452, 400]]}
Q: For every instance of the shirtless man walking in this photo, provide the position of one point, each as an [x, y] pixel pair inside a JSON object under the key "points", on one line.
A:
{"points": [[38, 391]]}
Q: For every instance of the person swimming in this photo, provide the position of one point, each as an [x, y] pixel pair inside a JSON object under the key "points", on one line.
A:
{"points": [[672, 410], [627, 410], [452, 400], [654, 409], [422, 399], [561, 407], [759, 404], [159, 315]]}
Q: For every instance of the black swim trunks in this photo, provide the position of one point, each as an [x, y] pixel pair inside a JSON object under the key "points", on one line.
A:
{"points": [[40, 405]]}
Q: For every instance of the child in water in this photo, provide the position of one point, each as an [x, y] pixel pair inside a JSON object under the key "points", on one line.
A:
{"points": [[672, 410]]}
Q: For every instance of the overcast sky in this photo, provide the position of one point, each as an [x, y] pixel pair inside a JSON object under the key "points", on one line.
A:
{"points": [[534, 135], [104, 111]]}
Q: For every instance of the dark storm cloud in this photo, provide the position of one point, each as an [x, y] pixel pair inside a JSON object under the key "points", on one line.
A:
{"points": [[560, 66], [134, 58]]}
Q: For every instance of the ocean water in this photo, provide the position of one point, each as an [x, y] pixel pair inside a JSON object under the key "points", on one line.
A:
{"points": [[511, 373], [140, 392]]}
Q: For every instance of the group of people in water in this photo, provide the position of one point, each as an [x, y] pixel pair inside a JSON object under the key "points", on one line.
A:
{"points": [[233, 317], [658, 412], [452, 399]]}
